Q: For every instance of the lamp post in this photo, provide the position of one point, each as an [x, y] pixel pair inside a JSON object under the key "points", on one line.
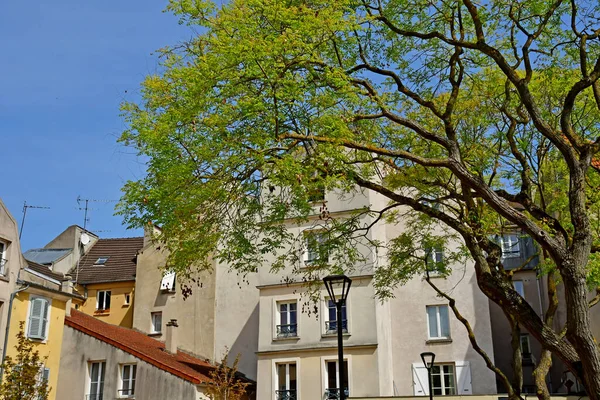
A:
{"points": [[428, 358], [340, 284]]}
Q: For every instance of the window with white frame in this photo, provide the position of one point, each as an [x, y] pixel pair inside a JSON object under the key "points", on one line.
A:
{"points": [[314, 247], [156, 318], [519, 288], [331, 322], [3, 261], [287, 383], [434, 259], [167, 283], [43, 376], [39, 308], [127, 299], [443, 379], [510, 245], [438, 322], [332, 379], [97, 370], [287, 319], [103, 300], [128, 372]]}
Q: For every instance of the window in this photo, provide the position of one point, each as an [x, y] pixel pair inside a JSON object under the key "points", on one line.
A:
{"points": [[97, 370], [127, 299], [288, 323], [286, 382], [2, 258], [332, 391], [518, 285], [168, 282], [39, 308], [443, 380], [525, 346], [128, 372], [438, 322], [156, 322], [43, 375], [101, 260], [434, 259], [103, 300], [510, 245], [315, 249], [331, 323]]}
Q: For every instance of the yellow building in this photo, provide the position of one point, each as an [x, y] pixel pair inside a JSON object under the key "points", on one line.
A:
{"points": [[41, 300], [105, 276]]}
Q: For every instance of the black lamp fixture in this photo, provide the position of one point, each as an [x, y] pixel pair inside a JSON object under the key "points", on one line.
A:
{"points": [[428, 359], [340, 284]]}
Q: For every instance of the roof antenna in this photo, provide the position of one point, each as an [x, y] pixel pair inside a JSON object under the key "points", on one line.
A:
{"points": [[25, 208], [86, 208]]}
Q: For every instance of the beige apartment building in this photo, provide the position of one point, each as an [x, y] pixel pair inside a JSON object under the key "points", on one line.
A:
{"points": [[297, 350]]}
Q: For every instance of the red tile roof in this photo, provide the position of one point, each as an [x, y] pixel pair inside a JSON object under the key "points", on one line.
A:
{"points": [[45, 270], [120, 265], [183, 365]]}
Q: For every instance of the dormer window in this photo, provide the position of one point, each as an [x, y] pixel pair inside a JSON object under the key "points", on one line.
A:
{"points": [[101, 260]]}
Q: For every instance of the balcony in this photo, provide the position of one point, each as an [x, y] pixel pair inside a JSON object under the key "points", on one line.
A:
{"points": [[285, 395], [334, 393], [331, 326], [287, 331]]}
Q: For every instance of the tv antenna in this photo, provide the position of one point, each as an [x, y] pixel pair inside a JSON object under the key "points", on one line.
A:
{"points": [[25, 208], [86, 208]]}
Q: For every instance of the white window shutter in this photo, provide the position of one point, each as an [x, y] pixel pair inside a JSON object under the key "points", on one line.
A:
{"points": [[36, 317], [168, 282], [46, 308], [420, 380], [463, 377]]}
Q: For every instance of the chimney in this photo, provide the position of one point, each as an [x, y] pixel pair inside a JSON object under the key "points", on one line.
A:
{"points": [[171, 341], [67, 287]]}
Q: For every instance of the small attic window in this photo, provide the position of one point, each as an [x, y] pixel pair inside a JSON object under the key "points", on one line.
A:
{"points": [[101, 260]]}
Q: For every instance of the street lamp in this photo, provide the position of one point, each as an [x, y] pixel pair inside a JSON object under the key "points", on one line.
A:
{"points": [[340, 284], [428, 358]]}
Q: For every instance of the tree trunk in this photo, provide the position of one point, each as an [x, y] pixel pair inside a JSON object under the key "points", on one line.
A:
{"points": [[539, 375], [517, 358]]}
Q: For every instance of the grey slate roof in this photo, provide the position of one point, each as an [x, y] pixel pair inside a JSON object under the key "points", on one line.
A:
{"points": [[46, 256], [119, 267]]}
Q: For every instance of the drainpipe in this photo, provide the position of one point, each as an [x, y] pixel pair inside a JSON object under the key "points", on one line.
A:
{"points": [[12, 297]]}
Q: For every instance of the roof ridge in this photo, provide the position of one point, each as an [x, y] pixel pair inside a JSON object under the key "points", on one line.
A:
{"points": [[121, 238]]}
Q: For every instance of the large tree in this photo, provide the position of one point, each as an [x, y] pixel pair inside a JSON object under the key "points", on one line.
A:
{"points": [[476, 117]]}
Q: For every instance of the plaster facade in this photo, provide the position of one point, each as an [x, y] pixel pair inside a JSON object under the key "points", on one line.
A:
{"points": [[121, 302]]}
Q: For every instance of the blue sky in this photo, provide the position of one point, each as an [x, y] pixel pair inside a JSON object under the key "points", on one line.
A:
{"points": [[66, 65]]}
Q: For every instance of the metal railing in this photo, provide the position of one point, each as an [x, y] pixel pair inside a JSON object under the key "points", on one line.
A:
{"points": [[98, 396], [3, 262], [334, 393], [290, 330], [285, 394], [331, 326], [126, 394]]}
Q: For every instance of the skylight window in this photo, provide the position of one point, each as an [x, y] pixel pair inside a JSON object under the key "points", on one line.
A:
{"points": [[101, 260]]}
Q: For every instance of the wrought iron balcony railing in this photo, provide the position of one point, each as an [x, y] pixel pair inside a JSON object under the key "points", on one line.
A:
{"points": [[126, 394], [331, 326], [97, 396], [285, 394], [290, 330], [334, 393]]}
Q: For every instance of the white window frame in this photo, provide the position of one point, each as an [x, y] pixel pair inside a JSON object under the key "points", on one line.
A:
{"points": [[3, 260], [101, 376], [509, 248], [105, 258], [103, 308], [441, 366], [44, 339], [133, 366], [324, 374], [274, 377], [325, 318], [519, 287], [438, 321], [433, 256], [127, 299], [319, 235], [278, 304], [152, 324]]}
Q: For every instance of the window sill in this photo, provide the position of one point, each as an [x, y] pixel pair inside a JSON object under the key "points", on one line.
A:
{"points": [[334, 334], [4, 278], [440, 341], [38, 340], [286, 338], [155, 334], [102, 312]]}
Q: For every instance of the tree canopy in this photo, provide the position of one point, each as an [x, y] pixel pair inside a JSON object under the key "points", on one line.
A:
{"points": [[476, 117]]}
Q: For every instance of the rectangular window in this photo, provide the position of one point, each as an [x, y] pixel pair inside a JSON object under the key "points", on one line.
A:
{"points": [[525, 346], [331, 323], [332, 391], [434, 259], [127, 299], [286, 381], [443, 379], [39, 308], [510, 245], [156, 322], [438, 322], [518, 285], [101, 260], [128, 372], [3, 258], [97, 370], [288, 322], [103, 300], [315, 248]]}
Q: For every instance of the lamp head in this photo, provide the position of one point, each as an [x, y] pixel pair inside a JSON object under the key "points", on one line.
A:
{"points": [[340, 283], [428, 359]]}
